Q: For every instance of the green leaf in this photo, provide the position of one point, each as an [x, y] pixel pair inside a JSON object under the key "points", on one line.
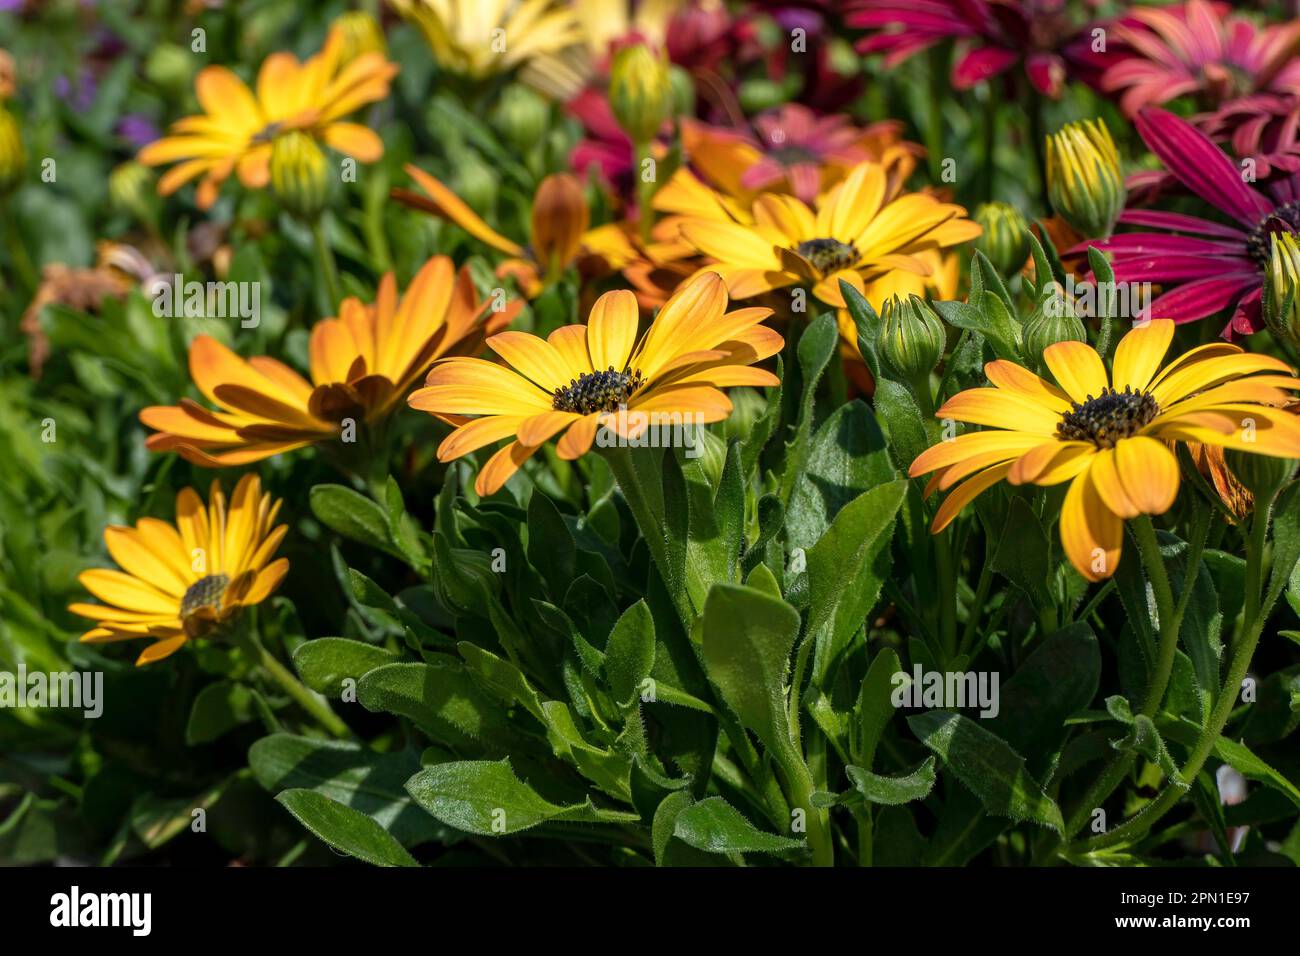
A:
{"points": [[551, 548], [748, 636], [350, 774], [875, 708], [354, 516], [874, 788], [1145, 739], [1286, 542], [325, 663], [441, 698], [751, 447], [868, 325], [486, 798], [1247, 763], [846, 569], [220, 708], [713, 825], [847, 457], [1023, 554], [347, 830], [988, 767], [900, 417], [630, 652], [816, 347], [502, 678]]}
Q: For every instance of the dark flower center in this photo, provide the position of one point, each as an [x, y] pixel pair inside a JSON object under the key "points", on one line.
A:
{"points": [[828, 255], [1110, 416], [205, 592], [791, 154], [1283, 219], [605, 391]]}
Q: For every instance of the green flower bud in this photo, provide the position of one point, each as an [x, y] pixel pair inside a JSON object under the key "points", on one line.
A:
{"points": [[1262, 475], [640, 91], [911, 338], [1054, 320], [1006, 236], [130, 189], [521, 116], [13, 158], [476, 182], [1084, 181], [170, 66], [1282, 290], [683, 91], [361, 35], [299, 175]]}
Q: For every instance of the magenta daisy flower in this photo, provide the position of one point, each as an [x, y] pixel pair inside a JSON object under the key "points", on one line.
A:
{"points": [[1203, 266], [997, 35], [1199, 49]]}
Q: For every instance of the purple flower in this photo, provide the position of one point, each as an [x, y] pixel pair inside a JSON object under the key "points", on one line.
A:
{"points": [[138, 130], [1203, 266]]}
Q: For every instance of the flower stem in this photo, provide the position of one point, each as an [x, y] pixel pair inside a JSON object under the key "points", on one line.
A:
{"points": [[329, 268], [1170, 622], [1252, 624], [247, 640], [645, 190]]}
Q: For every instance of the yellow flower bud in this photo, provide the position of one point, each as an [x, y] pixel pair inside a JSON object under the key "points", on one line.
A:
{"points": [[640, 91], [1006, 236], [361, 34], [299, 175], [130, 189], [1282, 290], [1084, 181], [13, 158]]}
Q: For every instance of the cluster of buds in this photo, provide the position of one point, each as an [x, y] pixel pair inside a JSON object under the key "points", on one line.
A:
{"points": [[1084, 181], [1005, 239]]}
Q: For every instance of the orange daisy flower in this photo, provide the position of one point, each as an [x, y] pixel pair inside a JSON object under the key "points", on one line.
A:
{"points": [[361, 363], [584, 376], [235, 132]]}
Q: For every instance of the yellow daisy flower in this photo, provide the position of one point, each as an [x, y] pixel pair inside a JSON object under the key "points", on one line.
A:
{"points": [[235, 132], [1110, 436], [583, 376], [858, 232], [479, 38], [361, 363], [180, 581]]}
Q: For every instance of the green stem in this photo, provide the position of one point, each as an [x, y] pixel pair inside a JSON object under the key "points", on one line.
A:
{"points": [[645, 191], [314, 704], [1244, 651], [1170, 622], [329, 268], [944, 571], [981, 597]]}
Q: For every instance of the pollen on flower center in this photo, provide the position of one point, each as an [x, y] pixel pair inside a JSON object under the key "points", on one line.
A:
{"points": [[603, 391], [1110, 416], [828, 255], [1283, 219], [205, 592]]}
